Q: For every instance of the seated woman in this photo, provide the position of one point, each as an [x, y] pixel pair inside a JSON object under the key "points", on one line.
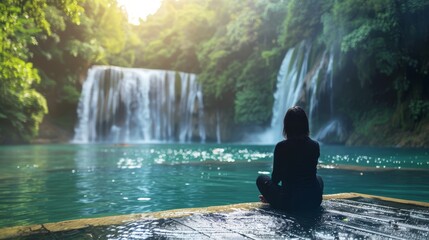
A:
{"points": [[294, 185]]}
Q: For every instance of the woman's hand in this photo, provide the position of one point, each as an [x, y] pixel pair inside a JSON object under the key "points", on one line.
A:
{"points": [[262, 199]]}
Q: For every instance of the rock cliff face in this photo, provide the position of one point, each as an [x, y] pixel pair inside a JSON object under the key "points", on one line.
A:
{"points": [[386, 136]]}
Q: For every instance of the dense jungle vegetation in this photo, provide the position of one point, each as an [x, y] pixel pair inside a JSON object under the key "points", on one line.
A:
{"points": [[235, 47]]}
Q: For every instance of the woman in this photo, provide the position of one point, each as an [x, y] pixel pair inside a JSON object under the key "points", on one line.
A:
{"points": [[294, 166]]}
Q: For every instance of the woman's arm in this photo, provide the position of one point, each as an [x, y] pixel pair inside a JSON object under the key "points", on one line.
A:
{"points": [[317, 155], [275, 176]]}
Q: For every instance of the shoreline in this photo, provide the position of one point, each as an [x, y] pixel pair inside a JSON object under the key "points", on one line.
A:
{"points": [[51, 133]]}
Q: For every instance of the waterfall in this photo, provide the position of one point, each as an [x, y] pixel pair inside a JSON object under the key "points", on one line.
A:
{"points": [[301, 82], [290, 81], [190, 92], [336, 128], [123, 105], [330, 78], [334, 132], [313, 88], [218, 137]]}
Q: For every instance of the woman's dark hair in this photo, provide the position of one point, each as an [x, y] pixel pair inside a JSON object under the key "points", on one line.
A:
{"points": [[295, 123]]}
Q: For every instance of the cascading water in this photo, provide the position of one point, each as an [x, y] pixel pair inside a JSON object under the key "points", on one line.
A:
{"points": [[298, 82], [218, 136], [336, 128], [290, 81], [123, 105], [313, 89]]}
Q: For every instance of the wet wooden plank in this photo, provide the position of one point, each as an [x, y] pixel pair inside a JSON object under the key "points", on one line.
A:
{"points": [[353, 216]]}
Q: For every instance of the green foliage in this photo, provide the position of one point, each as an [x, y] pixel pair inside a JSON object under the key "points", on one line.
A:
{"points": [[222, 41], [232, 66], [254, 92], [366, 30], [21, 106], [302, 21], [64, 57], [71, 95], [382, 44], [367, 122], [173, 35]]}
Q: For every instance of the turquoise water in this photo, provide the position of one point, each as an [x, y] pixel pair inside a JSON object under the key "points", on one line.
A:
{"points": [[49, 183]]}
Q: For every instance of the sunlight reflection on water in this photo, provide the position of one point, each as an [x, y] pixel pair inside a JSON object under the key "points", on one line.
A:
{"points": [[49, 183]]}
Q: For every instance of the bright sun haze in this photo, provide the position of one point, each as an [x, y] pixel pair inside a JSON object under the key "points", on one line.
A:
{"points": [[137, 9]]}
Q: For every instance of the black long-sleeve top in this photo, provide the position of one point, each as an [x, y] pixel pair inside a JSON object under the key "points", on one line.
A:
{"points": [[295, 162]]}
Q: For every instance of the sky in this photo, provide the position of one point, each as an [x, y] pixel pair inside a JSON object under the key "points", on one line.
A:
{"points": [[137, 9]]}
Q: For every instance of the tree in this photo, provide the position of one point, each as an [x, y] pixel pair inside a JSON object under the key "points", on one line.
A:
{"points": [[383, 42], [21, 106], [103, 36]]}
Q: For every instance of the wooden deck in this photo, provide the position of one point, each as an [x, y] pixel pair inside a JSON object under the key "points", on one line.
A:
{"points": [[342, 216]]}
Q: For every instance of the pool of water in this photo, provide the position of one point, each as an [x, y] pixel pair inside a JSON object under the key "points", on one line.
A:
{"points": [[49, 183]]}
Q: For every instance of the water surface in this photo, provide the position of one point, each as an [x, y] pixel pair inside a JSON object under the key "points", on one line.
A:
{"points": [[48, 183]]}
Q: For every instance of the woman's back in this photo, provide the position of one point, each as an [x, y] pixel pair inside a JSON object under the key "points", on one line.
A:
{"points": [[295, 161]]}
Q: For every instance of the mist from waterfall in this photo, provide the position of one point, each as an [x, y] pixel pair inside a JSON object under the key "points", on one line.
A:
{"points": [[131, 105]]}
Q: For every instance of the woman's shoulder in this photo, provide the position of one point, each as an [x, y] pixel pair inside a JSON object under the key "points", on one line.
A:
{"points": [[281, 143], [298, 141], [313, 141]]}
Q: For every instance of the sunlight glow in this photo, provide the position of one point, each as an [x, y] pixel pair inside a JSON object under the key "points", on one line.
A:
{"points": [[139, 9]]}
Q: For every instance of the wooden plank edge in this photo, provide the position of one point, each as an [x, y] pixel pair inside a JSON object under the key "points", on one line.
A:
{"points": [[19, 231]]}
